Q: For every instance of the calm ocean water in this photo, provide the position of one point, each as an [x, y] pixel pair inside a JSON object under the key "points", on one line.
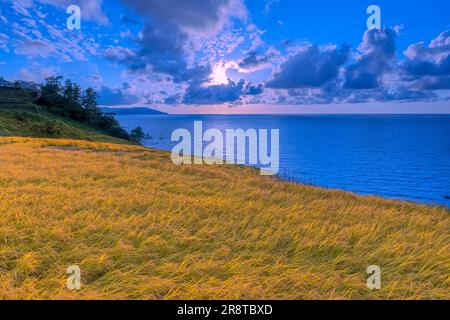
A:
{"points": [[403, 157]]}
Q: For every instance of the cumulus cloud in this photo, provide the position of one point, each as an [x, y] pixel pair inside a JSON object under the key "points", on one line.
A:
{"points": [[190, 48], [166, 43], [251, 90], [163, 48], [310, 67], [372, 74], [253, 62], [433, 83], [377, 53], [173, 100], [310, 74], [215, 94], [117, 96], [428, 67], [221, 93]]}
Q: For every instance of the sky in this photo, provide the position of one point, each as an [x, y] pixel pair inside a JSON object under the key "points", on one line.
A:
{"points": [[237, 56]]}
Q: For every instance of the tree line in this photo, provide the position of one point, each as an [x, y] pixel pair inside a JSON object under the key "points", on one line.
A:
{"points": [[69, 100]]}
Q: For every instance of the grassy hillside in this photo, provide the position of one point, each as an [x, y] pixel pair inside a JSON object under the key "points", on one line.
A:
{"points": [[140, 227], [29, 124], [19, 116], [17, 100]]}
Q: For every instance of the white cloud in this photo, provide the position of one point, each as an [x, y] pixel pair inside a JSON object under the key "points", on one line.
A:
{"points": [[35, 48], [4, 40]]}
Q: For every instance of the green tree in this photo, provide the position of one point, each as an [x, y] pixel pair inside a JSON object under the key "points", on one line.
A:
{"points": [[76, 93], [89, 103], [52, 86], [137, 135], [68, 91]]}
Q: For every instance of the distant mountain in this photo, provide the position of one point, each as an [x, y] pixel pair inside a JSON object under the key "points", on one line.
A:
{"points": [[137, 110]]}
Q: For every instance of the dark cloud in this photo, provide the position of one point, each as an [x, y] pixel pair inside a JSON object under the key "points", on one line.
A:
{"points": [[116, 96], [339, 95], [230, 92], [251, 90], [385, 95], [160, 50], [128, 20], [162, 44], [253, 62], [310, 67], [202, 16], [195, 75], [173, 100], [214, 94], [433, 83], [429, 67], [162, 47], [311, 74], [377, 55]]}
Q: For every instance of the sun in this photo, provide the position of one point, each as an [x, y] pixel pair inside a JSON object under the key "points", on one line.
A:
{"points": [[219, 74]]}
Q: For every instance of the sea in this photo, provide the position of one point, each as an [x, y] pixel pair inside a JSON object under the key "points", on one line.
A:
{"points": [[394, 156]]}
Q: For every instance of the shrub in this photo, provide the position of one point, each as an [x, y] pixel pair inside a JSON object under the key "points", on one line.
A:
{"points": [[21, 117], [50, 129], [137, 135]]}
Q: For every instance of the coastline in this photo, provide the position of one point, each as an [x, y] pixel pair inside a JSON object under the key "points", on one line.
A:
{"points": [[381, 155]]}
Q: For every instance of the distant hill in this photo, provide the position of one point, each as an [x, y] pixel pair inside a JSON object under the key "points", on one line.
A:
{"points": [[126, 111]]}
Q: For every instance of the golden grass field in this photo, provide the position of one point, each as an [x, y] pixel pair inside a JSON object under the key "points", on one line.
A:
{"points": [[142, 228]]}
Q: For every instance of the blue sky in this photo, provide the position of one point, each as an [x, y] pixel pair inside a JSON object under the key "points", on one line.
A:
{"points": [[237, 55]]}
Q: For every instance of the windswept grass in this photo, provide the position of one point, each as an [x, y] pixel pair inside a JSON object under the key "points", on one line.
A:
{"points": [[141, 228]]}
